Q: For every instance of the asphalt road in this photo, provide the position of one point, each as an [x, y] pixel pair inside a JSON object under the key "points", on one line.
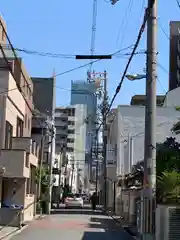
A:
{"points": [[73, 224]]}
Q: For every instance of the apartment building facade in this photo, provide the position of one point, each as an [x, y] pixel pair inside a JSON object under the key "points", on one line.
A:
{"points": [[83, 92], [71, 136], [19, 153]]}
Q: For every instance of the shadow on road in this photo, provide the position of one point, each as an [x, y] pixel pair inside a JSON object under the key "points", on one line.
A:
{"points": [[111, 230], [106, 223], [76, 211], [106, 236]]}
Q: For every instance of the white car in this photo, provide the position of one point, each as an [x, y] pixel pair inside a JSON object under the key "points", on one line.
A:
{"points": [[74, 200]]}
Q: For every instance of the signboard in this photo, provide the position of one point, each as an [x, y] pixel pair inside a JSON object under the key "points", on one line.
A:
{"points": [[111, 158]]}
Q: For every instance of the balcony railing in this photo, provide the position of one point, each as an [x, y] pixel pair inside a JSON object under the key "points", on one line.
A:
{"points": [[27, 144]]}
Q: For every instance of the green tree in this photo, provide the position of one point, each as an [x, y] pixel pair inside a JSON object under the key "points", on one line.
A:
{"points": [[44, 178], [168, 187]]}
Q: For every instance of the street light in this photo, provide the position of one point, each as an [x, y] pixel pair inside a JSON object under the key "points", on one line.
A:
{"points": [[134, 77]]}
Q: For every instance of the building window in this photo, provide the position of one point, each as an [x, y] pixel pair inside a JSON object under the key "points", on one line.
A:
{"points": [[71, 131], [8, 135], [71, 123], [27, 160], [19, 128], [70, 149], [25, 121], [70, 140], [29, 123], [71, 112], [28, 183]]}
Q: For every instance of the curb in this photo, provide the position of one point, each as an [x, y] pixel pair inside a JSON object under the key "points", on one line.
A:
{"points": [[11, 234]]}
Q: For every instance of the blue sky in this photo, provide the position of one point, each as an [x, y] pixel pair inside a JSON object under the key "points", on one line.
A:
{"points": [[62, 26]]}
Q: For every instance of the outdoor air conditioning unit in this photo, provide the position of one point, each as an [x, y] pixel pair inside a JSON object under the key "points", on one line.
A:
{"points": [[168, 222]]}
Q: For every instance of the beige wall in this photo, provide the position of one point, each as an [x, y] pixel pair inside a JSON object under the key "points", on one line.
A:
{"points": [[29, 205], [14, 104], [15, 163]]}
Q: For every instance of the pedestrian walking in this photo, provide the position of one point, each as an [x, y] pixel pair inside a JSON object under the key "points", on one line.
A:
{"points": [[93, 200]]}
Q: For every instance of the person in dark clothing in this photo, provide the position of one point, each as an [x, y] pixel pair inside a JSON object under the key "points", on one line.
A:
{"points": [[93, 201]]}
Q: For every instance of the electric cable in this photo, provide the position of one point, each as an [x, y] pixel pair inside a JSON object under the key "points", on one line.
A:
{"points": [[146, 15], [62, 73], [124, 22], [42, 54], [162, 29], [141, 30], [178, 3]]}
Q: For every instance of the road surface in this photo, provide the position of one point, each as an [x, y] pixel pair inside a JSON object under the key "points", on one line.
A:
{"points": [[75, 225]]}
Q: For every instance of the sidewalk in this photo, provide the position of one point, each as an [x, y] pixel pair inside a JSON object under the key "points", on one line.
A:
{"points": [[7, 232]]}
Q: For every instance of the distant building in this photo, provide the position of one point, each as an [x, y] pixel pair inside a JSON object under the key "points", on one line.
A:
{"points": [[44, 100], [140, 100], [71, 134], [83, 92], [174, 61], [45, 95]]}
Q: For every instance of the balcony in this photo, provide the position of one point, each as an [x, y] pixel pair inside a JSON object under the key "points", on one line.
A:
{"points": [[16, 163], [29, 146], [17, 160], [71, 127], [70, 145]]}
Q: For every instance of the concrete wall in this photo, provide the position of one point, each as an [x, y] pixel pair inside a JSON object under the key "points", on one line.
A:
{"points": [[15, 163], [13, 104], [131, 121], [29, 205], [172, 98]]}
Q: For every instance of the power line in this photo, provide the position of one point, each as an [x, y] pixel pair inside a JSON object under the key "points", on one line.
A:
{"points": [[87, 64], [61, 73], [42, 54], [124, 22], [131, 57], [162, 29], [141, 30], [178, 3]]}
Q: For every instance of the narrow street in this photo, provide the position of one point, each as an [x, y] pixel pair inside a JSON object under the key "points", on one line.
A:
{"points": [[74, 224]]}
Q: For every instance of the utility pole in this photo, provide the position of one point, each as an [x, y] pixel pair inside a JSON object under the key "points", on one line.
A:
{"points": [[105, 139], [41, 163], [72, 176], [150, 126], [97, 160], [51, 169]]}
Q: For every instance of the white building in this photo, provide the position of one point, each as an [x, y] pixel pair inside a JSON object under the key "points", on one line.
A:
{"points": [[71, 135]]}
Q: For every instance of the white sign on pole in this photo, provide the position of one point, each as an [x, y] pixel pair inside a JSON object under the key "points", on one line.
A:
{"points": [[110, 155]]}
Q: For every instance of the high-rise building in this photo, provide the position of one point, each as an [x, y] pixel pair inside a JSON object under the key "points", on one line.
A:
{"points": [[71, 134], [84, 93], [174, 61]]}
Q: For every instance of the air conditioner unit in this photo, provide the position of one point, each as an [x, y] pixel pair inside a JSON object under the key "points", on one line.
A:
{"points": [[168, 222]]}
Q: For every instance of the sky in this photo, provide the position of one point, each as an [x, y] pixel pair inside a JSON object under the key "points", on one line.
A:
{"points": [[65, 27]]}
